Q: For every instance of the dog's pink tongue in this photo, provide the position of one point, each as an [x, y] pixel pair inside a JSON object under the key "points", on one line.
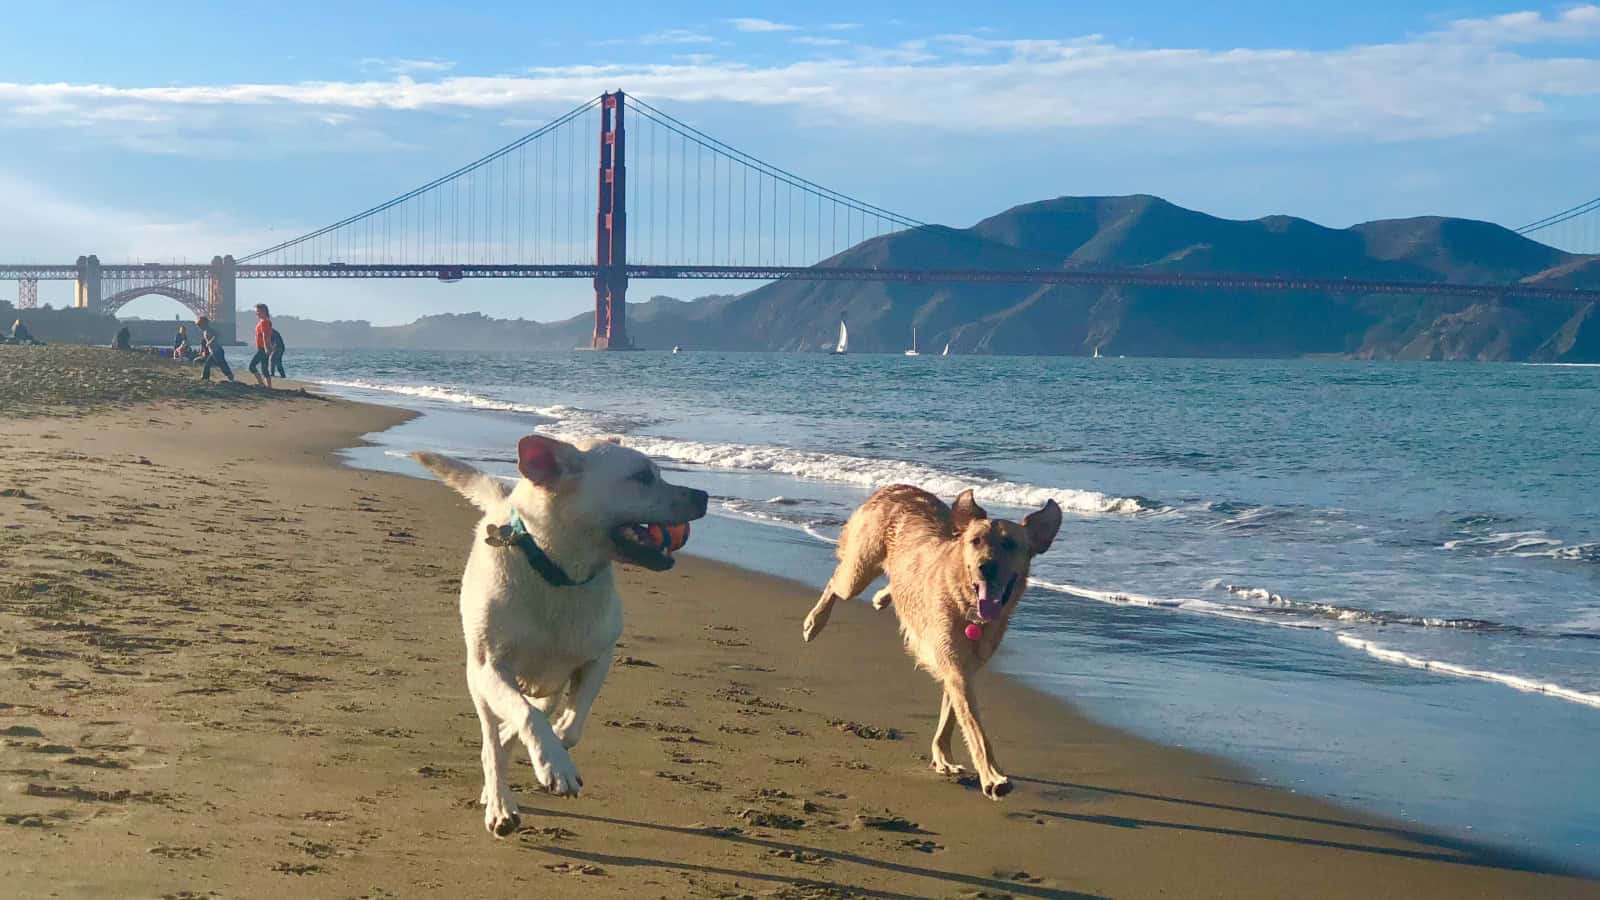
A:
{"points": [[988, 610]]}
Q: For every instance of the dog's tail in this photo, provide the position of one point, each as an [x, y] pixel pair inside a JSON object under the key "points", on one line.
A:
{"points": [[483, 489]]}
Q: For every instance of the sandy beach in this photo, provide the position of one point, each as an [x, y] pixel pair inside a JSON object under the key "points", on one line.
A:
{"points": [[231, 666]]}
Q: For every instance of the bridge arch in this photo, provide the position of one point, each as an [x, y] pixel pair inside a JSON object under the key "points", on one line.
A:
{"points": [[192, 301]]}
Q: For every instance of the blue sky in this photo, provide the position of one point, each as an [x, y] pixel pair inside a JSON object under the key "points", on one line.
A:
{"points": [[181, 131]]}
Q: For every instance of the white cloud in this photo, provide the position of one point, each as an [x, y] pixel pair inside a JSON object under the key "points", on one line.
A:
{"points": [[665, 37], [758, 25], [407, 66], [1468, 76], [54, 222], [811, 41], [1577, 23]]}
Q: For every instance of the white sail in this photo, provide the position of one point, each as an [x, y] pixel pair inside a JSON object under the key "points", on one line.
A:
{"points": [[844, 339], [946, 349]]}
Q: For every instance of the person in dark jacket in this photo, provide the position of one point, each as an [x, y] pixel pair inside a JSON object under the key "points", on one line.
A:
{"points": [[275, 349], [211, 348]]}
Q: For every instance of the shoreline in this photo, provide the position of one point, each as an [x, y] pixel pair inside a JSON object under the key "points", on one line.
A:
{"points": [[1298, 706], [249, 733], [1018, 678]]}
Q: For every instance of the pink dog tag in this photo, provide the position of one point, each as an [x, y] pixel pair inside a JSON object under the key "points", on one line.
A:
{"points": [[974, 631]]}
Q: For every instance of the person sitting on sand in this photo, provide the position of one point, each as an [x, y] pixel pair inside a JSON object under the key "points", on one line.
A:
{"points": [[261, 363], [212, 351], [123, 340], [20, 333], [275, 366]]}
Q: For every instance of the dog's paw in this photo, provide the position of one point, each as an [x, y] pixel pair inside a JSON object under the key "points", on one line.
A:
{"points": [[814, 622], [945, 767], [556, 772], [998, 788], [882, 599], [499, 812]]}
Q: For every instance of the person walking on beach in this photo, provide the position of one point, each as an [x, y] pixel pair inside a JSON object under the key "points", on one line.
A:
{"points": [[275, 364], [180, 345], [211, 350], [261, 363]]}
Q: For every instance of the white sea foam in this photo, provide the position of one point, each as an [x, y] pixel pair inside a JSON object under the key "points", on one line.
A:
{"points": [[1524, 544], [578, 421], [869, 472], [1270, 602], [573, 422], [449, 395], [1186, 604], [1371, 648], [1532, 686]]}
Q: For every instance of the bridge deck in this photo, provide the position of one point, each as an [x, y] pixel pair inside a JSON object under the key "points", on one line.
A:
{"points": [[1076, 277]]}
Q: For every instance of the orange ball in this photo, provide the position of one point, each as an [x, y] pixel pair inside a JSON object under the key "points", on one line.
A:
{"points": [[671, 538]]}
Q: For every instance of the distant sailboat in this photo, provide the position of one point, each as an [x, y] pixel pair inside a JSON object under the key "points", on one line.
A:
{"points": [[946, 349], [913, 350], [676, 348], [843, 346], [1096, 352]]}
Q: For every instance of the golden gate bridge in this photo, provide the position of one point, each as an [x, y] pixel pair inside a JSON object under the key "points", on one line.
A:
{"points": [[667, 201]]}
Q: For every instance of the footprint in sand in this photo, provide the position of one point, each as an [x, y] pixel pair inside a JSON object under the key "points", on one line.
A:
{"points": [[548, 832], [865, 731], [692, 780], [760, 818], [1017, 875], [888, 821], [180, 853], [575, 868], [800, 856]]}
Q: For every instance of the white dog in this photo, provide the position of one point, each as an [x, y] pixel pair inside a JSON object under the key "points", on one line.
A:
{"points": [[539, 606]]}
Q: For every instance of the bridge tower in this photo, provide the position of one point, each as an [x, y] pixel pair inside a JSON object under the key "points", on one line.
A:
{"points": [[27, 293], [222, 301], [86, 293], [611, 231]]}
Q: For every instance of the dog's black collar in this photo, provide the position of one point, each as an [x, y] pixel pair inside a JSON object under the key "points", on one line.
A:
{"points": [[516, 535]]}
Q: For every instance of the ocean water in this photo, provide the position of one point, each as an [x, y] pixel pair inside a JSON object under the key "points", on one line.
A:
{"points": [[1376, 582]]}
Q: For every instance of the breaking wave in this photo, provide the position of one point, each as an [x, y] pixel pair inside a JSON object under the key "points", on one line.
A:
{"points": [[1259, 606], [1529, 685], [1524, 545], [572, 422]]}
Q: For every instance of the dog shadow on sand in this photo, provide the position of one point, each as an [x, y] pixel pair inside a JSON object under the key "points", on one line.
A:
{"points": [[958, 880], [1449, 850]]}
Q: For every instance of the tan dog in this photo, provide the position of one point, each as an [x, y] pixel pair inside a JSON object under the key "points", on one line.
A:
{"points": [[956, 576]]}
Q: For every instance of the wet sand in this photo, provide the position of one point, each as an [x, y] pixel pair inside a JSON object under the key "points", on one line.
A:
{"points": [[230, 666]]}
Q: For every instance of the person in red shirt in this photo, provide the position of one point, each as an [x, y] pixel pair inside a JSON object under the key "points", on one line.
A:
{"points": [[260, 364]]}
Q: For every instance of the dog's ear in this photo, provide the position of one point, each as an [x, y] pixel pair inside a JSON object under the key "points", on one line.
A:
{"points": [[545, 460], [1042, 526], [966, 511]]}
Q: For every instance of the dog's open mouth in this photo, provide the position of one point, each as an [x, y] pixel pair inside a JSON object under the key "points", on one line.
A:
{"points": [[649, 546], [989, 606]]}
